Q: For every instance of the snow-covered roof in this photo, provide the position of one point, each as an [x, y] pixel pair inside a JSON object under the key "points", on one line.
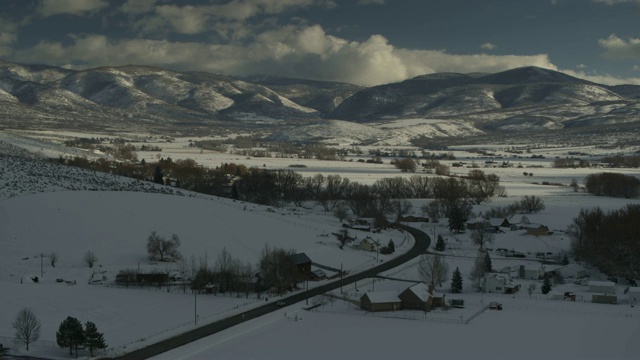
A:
{"points": [[634, 289], [573, 267], [601, 283], [421, 290], [382, 297], [496, 221]]}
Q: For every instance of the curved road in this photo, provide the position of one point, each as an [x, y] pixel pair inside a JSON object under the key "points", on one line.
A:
{"points": [[422, 242]]}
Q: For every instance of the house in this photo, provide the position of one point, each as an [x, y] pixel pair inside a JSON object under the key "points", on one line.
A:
{"points": [[573, 270], [380, 301], [302, 263], [363, 224], [531, 273], [421, 297], [521, 223], [540, 230], [607, 287], [366, 244], [478, 223], [498, 223], [499, 283]]}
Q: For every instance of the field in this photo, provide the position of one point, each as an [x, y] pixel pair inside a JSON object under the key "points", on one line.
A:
{"points": [[38, 217]]}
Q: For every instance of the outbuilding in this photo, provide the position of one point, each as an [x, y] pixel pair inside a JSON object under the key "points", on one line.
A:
{"points": [[607, 287], [573, 270], [633, 294], [380, 301]]}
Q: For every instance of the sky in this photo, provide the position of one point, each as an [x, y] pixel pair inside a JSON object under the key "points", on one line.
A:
{"points": [[364, 42]]}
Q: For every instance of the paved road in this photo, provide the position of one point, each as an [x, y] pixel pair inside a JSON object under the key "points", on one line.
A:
{"points": [[422, 242]]}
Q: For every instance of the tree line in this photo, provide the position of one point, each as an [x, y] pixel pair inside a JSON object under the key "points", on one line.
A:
{"points": [[608, 240], [612, 184]]}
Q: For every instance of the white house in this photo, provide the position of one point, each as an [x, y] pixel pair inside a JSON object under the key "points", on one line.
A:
{"points": [[573, 270], [607, 287], [366, 244], [499, 283]]}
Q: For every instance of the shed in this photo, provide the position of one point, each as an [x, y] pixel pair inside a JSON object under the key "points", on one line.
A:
{"points": [[607, 287], [634, 294], [366, 244], [421, 297], [380, 301], [498, 223], [302, 263]]}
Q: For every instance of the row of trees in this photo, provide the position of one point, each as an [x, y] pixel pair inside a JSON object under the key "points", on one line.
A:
{"points": [[70, 333], [613, 184], [609, 240]]}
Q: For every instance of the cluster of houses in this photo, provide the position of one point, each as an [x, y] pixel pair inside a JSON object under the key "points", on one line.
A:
{"points": [[416, 297], [495, 225]]}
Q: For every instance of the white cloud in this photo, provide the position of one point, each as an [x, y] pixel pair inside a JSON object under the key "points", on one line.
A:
{"points": [[488, 46], [8, 35], [74, 7], [581, 66], [306, 52], [605, 79], [617, 48], [371, 2], [138, 6]]}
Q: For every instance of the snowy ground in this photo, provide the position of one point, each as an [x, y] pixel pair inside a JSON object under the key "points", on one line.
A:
{"points": [[44, 208]]}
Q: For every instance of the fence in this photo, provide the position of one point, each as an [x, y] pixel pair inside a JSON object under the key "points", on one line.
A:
{"points": [[11, 342]]}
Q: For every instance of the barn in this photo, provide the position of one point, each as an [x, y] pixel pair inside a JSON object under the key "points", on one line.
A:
{"points": [[380, 301], [607, 287]]}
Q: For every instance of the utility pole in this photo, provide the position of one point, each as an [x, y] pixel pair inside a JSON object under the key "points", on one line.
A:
{"points": [[307, 299], [41, 271], [195, 307]]}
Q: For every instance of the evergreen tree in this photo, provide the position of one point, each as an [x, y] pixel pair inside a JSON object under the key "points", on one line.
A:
{"points": [[487, 263], [70, 334], [92, 338], [456, 220], [440, 246], [456, 282], [391, 246], [565, 260], [546, 286], [158, 176]]}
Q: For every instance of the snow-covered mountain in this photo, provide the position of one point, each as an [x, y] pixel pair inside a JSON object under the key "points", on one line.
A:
{"points": [[143, 98]]}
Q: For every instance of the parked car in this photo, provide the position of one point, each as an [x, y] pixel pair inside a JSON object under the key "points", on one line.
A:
{"points": [[281, 303], [494, 305]]}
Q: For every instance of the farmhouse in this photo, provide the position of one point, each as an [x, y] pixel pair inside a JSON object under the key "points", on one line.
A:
{"points": [[607, 287], [366, 244], [499, 283], [380, 301], [498, 223], [421, 297], [478, 223], [531, 273]]}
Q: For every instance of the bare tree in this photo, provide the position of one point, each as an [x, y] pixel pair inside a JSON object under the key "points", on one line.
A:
{"points": [[341, 211], [158, 246], [532, 204], [27, 327], [435, 210], [53, 258], [90, 258], [433, 269], [478, 271], [482, 237]]}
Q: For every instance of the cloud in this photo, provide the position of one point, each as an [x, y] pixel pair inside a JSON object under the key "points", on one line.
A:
{"points": [[617, 48], [488, 46], [303, 52], [371, 2], [74, 7], [581, 66], [605, 79], [8, 36], [138, 6], [615, 2]]}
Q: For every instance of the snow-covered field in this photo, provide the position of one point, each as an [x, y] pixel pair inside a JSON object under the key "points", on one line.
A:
{"points": [[45, 208]]}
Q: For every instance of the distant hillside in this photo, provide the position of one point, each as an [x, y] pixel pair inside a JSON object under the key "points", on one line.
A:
{"points": [[150, 99]]}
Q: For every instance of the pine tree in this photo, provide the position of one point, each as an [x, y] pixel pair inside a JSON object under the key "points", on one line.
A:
{"points": [[456, 282], [92, 338], [70, 334], [565, 260], [546, 286], [158, 176], [440, 246], [456, 220], [487, 263], [391, 246]]}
